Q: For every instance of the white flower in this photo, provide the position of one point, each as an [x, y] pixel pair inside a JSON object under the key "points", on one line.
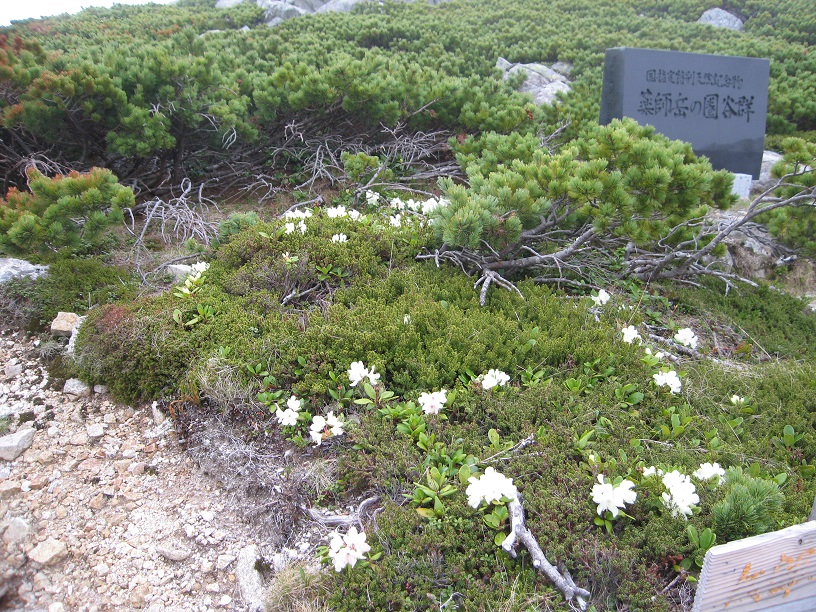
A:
{"points": [[357, 372], [681, 494], [200, 266], [432, 403], [302, 227], [354, 215], [657, 355], [406, 320], [630, 334], [372, 198], [398, 204], [339, 238], [710, 470], [395, 220], [668, 379], [493, 378], [335, 212], [288, 228], [334, 424], [602, 298], [652, 471], [489, 487], [431, 204], [287, 417], [686, 337], [613, 498], [317, 428], [737, 400], [348, 549]]}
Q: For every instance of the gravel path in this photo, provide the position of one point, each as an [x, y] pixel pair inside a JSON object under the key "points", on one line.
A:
{"points": [[104, 511]]}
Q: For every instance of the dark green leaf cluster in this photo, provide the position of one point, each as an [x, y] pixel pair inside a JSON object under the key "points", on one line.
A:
{"points": [[67, 212], [750, 506]]}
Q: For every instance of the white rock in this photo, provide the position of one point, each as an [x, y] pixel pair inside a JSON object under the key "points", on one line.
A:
{"points": [[17, 529], [224, 561], [77, 388], [225, 601], [14, 445], [207, 515], [49, 552], [64, 324], [95, 431], [249, 579], [719, 18]]}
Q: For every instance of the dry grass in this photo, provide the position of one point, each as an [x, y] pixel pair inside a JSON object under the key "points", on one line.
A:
{"points": [[297, 588]]}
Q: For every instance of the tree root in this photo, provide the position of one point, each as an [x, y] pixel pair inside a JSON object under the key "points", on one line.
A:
{"points": [[521, 534]]}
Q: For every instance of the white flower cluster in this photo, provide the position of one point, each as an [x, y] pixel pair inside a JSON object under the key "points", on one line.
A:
{"points": [[339, 238], [340, 211], [657, 355], [686, 337], [289, 417], [300, 214], [668, 379], [432, 403], [630, 334], [357, 372], [706, 471], [196, 270], [325, 427], [493, 378], [613, 498], [737, 400], [372, 197], [602, 298], [347, 549], [290, 227], [491, 486], [680, 494], [425, 207]]}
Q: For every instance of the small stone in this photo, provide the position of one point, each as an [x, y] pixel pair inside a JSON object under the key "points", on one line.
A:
{"points": [[9, 488], [224, 561], [57, 606], [138, 595], [76, 388], [79, 439], [189, 530], [158, 416], [17, 530], [100, 389], [64, 324], [97, 502], [48, 552], [13, 369], [14, 445], [137, 467], [213, 587], [172, 552], [225, 601], [95, 431], [207, 515], [207, 567]]}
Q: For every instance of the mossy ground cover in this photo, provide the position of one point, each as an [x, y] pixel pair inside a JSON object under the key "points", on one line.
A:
{"points": [[586, 399]]}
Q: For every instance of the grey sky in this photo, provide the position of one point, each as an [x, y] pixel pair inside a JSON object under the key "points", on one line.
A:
{"points": [[25, 9]]}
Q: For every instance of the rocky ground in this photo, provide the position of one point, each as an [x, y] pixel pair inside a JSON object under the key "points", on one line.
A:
{"points": [[104, 510]]}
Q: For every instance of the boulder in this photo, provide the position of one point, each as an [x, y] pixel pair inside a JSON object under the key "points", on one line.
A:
{"points": [[279, 10], [180, 272], [339, 6], [17, 268], [765, 180], [76, 388], [14, 445], [249, 579], [224, 4], [719, 18], [64, 324], [542, 82]]}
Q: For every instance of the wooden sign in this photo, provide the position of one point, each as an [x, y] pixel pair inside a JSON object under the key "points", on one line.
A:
{"points": [[773, 571]]}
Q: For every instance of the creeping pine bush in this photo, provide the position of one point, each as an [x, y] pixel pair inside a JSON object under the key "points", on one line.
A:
{"points": [[65, 212]]}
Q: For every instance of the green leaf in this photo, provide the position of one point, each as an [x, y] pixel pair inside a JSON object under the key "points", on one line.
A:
{"points": [[499, 538], [493, 436], [425, 513], [464, 474]]}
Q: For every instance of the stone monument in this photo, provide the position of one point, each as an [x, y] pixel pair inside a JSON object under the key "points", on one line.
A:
{"points": [[717, 103]]}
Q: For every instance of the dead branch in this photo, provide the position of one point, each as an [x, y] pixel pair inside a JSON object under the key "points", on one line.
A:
{"points": [[519, 533]]}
